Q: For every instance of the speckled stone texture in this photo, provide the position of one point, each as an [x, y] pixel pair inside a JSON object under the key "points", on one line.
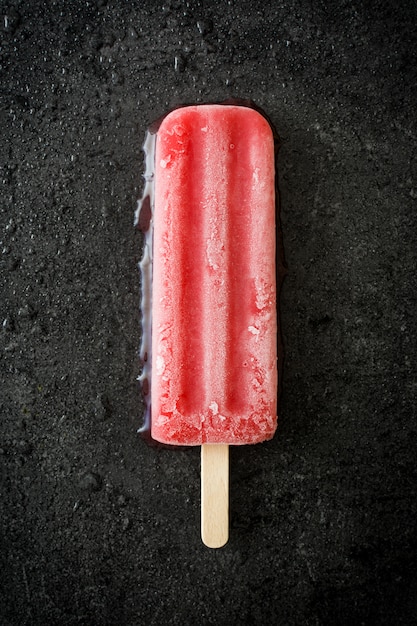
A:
{"points": [[97, 527]]}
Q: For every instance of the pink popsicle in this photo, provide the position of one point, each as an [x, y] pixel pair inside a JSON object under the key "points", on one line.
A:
{"points": [[214, 324]]}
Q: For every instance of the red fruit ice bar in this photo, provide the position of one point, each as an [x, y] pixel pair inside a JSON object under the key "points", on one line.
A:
{"points": [[214, 318]]}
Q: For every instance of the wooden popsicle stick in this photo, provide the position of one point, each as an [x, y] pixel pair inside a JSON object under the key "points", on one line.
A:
{"points": [[214, 494]]}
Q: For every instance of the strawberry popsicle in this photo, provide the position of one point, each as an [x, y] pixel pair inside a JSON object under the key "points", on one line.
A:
{"points": [[214, 319], [214, 360]]}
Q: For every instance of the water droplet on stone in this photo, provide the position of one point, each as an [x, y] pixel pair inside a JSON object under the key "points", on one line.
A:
{"points": [[11, 20], [132, 33], [205, 26], [179, 63], [91, 482]]}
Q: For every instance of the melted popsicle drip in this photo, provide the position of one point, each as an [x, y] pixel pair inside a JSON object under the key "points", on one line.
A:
{"points": [[144, 221]]}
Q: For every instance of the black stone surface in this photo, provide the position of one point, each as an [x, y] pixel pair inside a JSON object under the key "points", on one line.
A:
{"points": [[97, 528]]}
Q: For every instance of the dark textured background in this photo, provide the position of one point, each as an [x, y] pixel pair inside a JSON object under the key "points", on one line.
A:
{"points": [[98, 528]]}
